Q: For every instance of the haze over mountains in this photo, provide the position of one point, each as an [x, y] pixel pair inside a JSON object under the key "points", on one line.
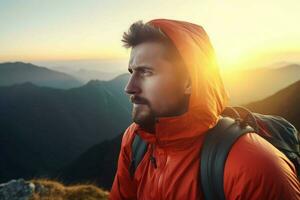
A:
{"points": [[245, 86], [19, 72], [86, 70], [84, 75]]}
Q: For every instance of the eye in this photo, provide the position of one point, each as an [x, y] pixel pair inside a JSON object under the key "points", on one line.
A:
{"points": [[146, 72]]}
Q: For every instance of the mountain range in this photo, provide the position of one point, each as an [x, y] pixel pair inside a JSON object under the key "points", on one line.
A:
{"points": [[43, 128], [243, 86]]}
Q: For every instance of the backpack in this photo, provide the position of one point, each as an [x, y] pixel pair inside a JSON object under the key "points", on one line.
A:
{"points": [[235, 122]]}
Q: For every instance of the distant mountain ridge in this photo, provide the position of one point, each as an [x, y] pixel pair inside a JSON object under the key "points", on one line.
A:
{"points": [[244, 86], [19, 72]]}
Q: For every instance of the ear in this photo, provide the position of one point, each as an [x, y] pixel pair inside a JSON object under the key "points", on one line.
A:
{"points": [[188, 86]]}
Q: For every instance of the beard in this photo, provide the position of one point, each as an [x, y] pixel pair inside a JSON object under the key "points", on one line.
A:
{"points": [[142, 113]]}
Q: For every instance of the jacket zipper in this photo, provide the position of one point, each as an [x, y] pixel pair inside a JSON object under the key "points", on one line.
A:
{"points": [[160, 173]]}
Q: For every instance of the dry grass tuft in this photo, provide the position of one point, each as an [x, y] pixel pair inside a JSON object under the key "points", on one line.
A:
{"points": [[46, 189]]}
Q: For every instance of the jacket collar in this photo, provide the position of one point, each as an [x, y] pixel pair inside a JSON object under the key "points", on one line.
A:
{"points": [[173, 131]]}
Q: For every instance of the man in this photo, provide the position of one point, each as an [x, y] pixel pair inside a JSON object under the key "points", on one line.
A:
{"points": [[177, 95]]}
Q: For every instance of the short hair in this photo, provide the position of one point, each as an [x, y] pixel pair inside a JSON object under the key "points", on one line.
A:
{"points": [[140, 32]]}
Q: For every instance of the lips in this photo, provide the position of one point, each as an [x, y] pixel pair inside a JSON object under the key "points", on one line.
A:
{"points": [[137, 100]]}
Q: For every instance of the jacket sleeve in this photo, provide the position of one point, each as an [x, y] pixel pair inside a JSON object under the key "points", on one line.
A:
{"points": [[255, 169], [123, 187]]}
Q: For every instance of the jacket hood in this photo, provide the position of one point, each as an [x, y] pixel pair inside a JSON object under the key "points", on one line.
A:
{"points": [[208, 98]]}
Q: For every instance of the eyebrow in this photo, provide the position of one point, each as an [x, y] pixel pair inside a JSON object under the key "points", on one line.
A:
{"points": [[140, 67]]}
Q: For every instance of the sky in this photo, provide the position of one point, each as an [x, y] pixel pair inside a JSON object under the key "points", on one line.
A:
{"points": [[244, 33]]}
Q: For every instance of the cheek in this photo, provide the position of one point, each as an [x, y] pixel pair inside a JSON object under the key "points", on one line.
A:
{"points": [[163, 91]]}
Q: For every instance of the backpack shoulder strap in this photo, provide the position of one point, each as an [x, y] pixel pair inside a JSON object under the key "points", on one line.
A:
{"points": [[217, 144], [138, 150]]}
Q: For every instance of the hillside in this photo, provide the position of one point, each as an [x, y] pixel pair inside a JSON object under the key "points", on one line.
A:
{"points": [[98, 164]]}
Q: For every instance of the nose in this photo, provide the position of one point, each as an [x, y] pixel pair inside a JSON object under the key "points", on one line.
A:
{"points": [[132, 86]]}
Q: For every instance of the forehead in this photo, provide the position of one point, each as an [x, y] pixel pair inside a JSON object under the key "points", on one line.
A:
{"points": [[147, 53]]}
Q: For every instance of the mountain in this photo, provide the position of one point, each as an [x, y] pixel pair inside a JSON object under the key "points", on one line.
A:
{"points": [[18, 72], [284, 103], [245, 86], [43, 129]]}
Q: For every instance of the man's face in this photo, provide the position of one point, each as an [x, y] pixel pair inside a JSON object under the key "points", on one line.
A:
{"points": [[156, 86]]}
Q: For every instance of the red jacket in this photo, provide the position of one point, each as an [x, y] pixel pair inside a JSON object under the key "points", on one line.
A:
{"points": [[254, 168]]}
